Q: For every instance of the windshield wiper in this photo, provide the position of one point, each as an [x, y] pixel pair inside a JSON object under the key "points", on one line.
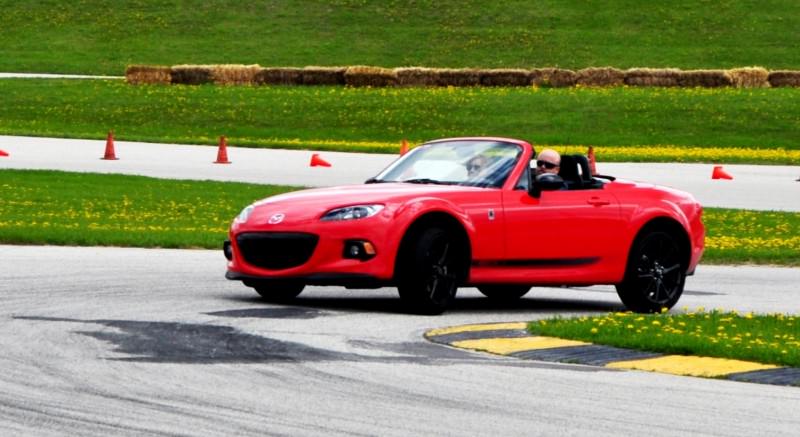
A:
{"points": [[425, 181], [375, 181]]}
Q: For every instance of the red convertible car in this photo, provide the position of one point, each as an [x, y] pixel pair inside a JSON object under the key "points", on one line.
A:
{"points": [[468, 212]]}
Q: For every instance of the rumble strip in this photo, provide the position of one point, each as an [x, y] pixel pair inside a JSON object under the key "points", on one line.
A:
{"points": [[512, 339]]}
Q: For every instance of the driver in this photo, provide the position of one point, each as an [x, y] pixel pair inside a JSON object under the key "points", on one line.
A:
{"points": [[475, 165], [548, 161]]}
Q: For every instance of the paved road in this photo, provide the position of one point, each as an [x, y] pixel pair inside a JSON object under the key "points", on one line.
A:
{"points": [[108, 341], [753, 187]]}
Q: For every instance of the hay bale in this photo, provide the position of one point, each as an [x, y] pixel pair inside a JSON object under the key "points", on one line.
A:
{"points": [[560, 78], [417, 76], [279, 76], [664, 77], [505, 77], [704, 78], [234, 74], [749, 77], [541, 76], [362, 75], [323, 75], [148, 74], [190, 74], [784, 78], [458, 77], [600, 76]]}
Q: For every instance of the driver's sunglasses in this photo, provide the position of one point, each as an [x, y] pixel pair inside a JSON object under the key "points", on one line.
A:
{"points": [[473, 167], [546, 164]]}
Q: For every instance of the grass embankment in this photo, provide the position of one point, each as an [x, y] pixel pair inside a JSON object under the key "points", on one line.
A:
{"points": [[47, 207], [102, 36], [703, 125], [50, 207], [768, 339]]}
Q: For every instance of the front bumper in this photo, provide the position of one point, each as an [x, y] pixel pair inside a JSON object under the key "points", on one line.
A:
{"points": [[275, 253]]}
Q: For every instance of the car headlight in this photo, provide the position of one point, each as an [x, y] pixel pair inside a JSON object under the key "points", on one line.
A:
{"points": [[245, 214], [351, 212]]}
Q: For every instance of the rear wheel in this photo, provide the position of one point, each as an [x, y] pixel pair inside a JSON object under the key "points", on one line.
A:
{"points": [[278, 291], [428, 279], [504, 292], [655, 274]]}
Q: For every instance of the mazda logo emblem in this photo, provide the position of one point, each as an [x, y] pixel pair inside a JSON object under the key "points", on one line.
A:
{"points": [[276, 218]]}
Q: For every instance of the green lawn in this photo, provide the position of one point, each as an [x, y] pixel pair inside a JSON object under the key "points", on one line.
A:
{"points": [[102, 36], [377, 119], [84, 209], [768, 339], [50, 207]]}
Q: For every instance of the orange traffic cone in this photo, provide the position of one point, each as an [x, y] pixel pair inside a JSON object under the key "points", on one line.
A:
{"points": [[3, 153], [592, 162], [222, 152], [110, 154], [719, 173], [403, 147], [316, 161]]}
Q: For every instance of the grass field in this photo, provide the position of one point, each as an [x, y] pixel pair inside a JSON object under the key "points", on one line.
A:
{"points": [[102, 36], [48, 207], [768, 339], [377, 119]]}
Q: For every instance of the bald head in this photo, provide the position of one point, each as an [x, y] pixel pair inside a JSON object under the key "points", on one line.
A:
{"points": [[548, 161]]}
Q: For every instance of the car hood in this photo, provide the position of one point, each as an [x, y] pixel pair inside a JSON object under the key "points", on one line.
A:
{"points": [[307, 205]]}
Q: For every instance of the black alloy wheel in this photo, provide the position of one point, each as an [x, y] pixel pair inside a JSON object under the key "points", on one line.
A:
{"points": [[655, 275], [428, 278]]}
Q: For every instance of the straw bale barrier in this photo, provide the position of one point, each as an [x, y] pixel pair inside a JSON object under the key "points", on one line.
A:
{"points": [[563, 78], [417, 76], [749, 77], [704, 78], [233, 74], [323, 75], [148, 74], [191, 74], [541, 76], [505, 77], [458, 77], [784, 78], [664, 77], [603, 76], [361, 75], [279, 76]]}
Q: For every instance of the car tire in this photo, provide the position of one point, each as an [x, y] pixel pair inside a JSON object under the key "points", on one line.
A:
{"points": [[655, 274], [428, 278], [504, 293], [279, 291]]}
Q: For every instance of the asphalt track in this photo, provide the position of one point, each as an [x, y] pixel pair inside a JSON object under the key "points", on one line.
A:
{"points": [[753, 186], [111, 341]]}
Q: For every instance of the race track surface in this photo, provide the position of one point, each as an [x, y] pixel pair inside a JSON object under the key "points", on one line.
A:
{"points": [[111, 341]]}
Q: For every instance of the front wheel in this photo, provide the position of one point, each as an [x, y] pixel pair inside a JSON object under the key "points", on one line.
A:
{"points": [[428, 277], [278, 291], [655, 274], [504, 293]]}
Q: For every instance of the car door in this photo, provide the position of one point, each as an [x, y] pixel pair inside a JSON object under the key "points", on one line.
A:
{"points": [[562, 235]]}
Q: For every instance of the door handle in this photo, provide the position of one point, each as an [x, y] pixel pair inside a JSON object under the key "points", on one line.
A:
{"points": [[596, 201]]}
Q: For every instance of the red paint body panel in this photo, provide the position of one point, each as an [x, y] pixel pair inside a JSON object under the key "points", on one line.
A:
{"points": [[575, 237]]}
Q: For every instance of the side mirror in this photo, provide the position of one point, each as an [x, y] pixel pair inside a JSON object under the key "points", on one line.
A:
{"points": [[545, 182]]}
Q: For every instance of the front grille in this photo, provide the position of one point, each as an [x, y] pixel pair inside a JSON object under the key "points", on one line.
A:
{"points": [[276, 250]]}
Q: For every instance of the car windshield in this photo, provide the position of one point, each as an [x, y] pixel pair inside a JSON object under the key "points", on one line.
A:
{"points": [[480, 163]]}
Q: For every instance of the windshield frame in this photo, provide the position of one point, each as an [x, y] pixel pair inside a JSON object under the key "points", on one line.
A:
{"points": [[453, 157]]}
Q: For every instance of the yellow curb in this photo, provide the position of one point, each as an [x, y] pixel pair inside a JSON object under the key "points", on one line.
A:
{"points": [[474, 328], [691, 366], [504, 346]]}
